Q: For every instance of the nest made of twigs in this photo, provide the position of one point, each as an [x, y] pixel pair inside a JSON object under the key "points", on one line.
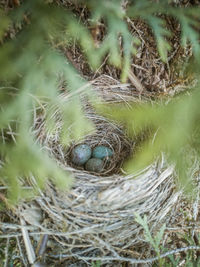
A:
{"points": [[96, 217]]}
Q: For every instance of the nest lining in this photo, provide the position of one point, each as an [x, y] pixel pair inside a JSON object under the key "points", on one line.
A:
{"points": [[109, 136]]}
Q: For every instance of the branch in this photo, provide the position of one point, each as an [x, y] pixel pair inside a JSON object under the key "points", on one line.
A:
{"points": [[130, 260]]}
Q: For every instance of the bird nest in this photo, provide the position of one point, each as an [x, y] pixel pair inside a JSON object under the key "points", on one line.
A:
{"points": [[95, 218]]}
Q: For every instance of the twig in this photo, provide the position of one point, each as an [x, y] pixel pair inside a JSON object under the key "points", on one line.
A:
{"points": [[42, 245], [135, 81], [130, 260], [6, 252], [96, 72], [29, 249], [5, 200], [20, 251]]}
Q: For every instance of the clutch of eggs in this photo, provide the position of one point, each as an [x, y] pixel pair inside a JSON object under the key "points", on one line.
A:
{"points": [[93, 159]]}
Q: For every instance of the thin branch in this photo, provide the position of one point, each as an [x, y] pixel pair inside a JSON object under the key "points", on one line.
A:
{"points": [[20, 251], [42, 244], [29, 248], [6, 252], [130, 260], [135, 81]]}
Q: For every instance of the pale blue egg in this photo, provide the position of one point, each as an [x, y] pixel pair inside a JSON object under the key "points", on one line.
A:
{"points": [[101, 152], [81, 154], [94, 165]]}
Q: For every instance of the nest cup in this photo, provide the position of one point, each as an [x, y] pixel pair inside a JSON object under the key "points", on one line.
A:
{"points": [[109, 135], [96, 217]]}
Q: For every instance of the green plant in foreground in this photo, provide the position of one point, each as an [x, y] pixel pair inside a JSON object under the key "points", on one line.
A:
{"points": [[172, 259], [96, 264], [32, 66], [154, 241]]}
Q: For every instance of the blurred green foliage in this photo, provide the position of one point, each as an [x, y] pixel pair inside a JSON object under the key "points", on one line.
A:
{"points": [[31, 66], [155, 241], [173, 128]]}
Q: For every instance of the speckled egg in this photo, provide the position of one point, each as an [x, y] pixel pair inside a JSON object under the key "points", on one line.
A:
{"points": [[101, 152], [81, 154], [94, 165]]}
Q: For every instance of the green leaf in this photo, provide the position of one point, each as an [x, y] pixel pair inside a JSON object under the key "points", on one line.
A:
{"points": [[144, 224], [159, 29], [187, 17], [159, 235], [75, 123]]}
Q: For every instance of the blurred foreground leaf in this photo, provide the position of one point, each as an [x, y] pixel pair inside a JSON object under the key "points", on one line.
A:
{"points": [[174, 129]]}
